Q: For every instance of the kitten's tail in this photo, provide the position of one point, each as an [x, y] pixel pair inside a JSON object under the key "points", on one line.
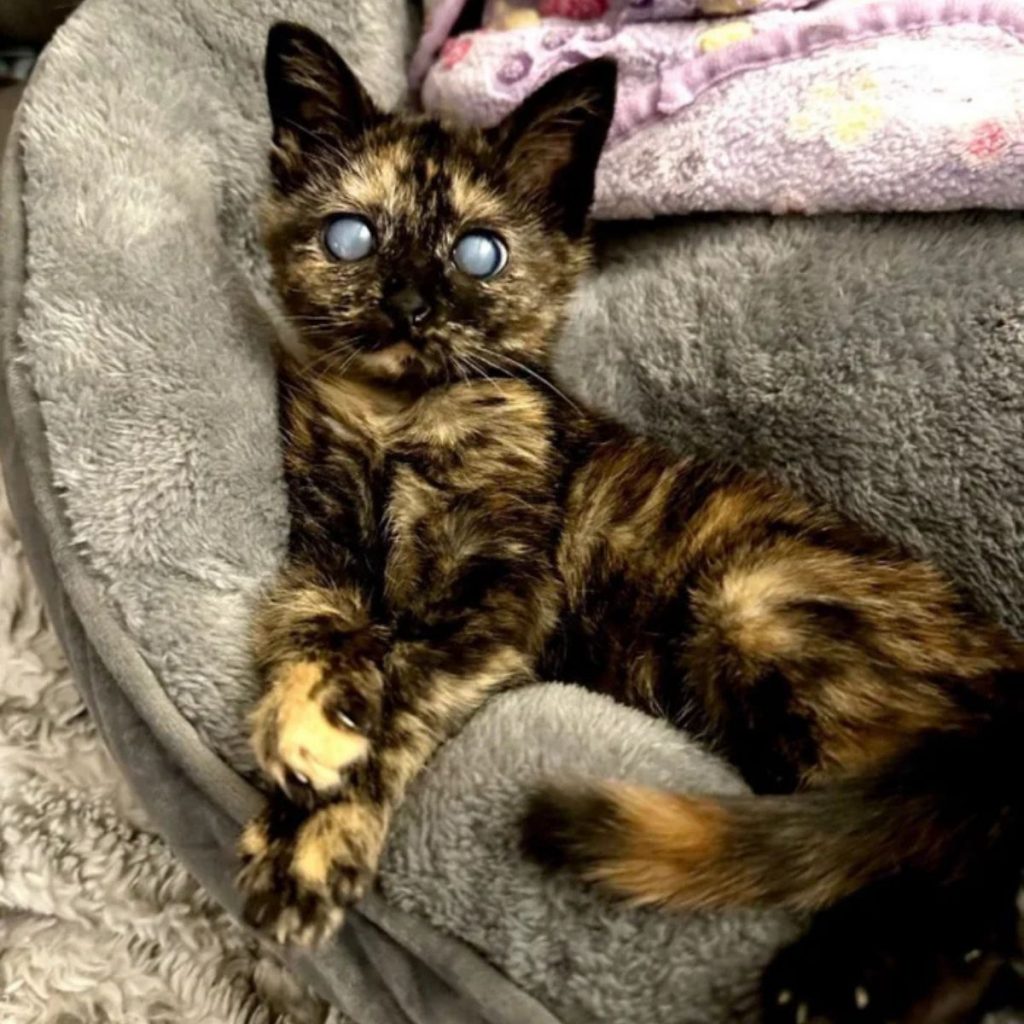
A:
{"points": [[947, 809]]}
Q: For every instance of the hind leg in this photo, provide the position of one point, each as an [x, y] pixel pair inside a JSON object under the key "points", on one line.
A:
{"points": [[900, 950], [816, 660], [816, 667], [811, 663]]}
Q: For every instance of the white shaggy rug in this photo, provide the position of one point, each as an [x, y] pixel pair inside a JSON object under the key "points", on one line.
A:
{"points": [[98, 921]]}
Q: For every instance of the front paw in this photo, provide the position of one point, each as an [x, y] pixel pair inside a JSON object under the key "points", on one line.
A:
{"points": [[309, 730], [299, 874]]}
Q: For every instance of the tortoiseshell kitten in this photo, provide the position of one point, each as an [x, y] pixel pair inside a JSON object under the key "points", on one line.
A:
{"points": [[458, 528]]}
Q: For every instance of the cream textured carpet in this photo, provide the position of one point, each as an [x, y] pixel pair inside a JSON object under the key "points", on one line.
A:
{"points": [[98, 921]]}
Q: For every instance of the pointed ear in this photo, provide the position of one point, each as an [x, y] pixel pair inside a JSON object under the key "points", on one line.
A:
{"points": [[551, 143], [315, 100]]}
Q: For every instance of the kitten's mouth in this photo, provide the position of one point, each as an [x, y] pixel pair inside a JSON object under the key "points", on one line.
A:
{"points": [[395, 359]]}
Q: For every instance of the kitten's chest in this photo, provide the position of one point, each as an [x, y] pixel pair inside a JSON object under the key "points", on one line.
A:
{"points": [[463, 458], [460, 478]]}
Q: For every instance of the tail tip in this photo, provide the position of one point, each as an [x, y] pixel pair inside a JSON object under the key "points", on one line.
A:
{"points": [[566, 827]]}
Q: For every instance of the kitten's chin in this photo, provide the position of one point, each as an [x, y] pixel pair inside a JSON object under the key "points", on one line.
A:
{"points": [[392, 362]]}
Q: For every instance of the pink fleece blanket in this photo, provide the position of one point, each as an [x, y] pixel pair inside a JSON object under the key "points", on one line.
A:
{"points": [[777, 105]]}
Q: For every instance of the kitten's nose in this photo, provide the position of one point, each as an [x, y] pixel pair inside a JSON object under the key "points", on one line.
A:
{"points": [[406, 306]]}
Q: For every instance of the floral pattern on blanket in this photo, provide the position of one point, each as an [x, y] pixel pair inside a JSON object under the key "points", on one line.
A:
{"points": [[846, 112], [834, 105], [509, 14]]}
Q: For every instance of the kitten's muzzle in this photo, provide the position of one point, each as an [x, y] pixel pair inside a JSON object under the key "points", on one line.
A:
{"points": [[406, 307]]}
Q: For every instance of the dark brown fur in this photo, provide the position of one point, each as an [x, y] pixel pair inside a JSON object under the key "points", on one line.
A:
{"points": [[460, 527]]}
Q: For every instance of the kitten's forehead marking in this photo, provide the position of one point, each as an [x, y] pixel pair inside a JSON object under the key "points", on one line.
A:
{"points": [[381, 180], [471, 199], [406, 178]]}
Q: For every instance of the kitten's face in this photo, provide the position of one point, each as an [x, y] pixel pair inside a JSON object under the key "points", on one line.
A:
{"points": [[407, 251]]}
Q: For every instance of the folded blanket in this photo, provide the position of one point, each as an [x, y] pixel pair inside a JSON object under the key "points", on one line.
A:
{"points": [[840, 105]]}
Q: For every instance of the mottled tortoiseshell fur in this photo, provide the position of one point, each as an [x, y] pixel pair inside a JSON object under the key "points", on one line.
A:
{"points": [[459, 527]]}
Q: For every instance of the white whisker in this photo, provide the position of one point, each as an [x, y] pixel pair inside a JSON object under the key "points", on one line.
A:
{"points": [[533, 373]]}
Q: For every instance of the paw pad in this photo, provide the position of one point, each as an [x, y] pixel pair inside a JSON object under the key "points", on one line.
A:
{"points": [[301, 743]]}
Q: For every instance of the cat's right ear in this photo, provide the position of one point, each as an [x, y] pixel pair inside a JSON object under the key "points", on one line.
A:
{"points": [[316, 102], [551, 143]]}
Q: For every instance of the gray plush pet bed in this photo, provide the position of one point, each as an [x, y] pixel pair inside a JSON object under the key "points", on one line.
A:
{"points": [[876, 362]]}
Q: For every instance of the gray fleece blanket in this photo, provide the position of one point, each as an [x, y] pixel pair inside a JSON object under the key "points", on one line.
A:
{"points": [[875, 362]]}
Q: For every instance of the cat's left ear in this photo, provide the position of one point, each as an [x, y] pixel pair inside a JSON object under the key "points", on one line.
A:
{"points": [[551, 143], [316, 101]]}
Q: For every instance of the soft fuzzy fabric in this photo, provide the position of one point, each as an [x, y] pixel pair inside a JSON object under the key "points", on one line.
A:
{"points": [[876, 361], [453, 859], [842, 105], [98, 919], [441, 17]]}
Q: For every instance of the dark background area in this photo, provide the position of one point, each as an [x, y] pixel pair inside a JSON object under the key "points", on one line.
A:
{"points": [[25, 26], [9, 95]]}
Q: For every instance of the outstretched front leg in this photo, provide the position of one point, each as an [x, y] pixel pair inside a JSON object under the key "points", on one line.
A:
{"points": [[351, 714], [321, 656], [322, 659]]}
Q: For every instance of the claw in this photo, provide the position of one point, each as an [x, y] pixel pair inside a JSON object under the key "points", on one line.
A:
{"points": [[341, 718], [285, 925]]}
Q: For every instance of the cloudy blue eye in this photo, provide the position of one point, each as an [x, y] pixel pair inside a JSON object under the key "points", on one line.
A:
{"points": [[348, 237], [480, 254]]}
